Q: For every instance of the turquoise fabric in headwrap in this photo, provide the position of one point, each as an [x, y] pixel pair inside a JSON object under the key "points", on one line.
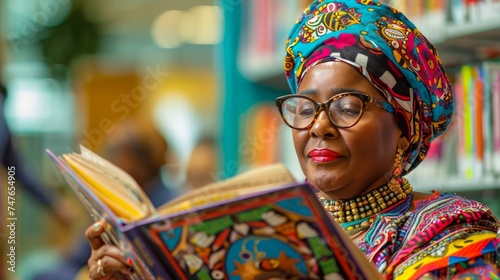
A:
{"points": [[389, 51]]}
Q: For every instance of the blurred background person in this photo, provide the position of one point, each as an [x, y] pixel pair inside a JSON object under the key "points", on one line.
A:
{"points": [[203, 164]]}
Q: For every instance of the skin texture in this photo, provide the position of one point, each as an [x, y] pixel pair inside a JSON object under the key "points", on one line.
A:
{"points": [[112, 259], [367, 150]]}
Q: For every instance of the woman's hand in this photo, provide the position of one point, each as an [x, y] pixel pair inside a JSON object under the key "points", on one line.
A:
{"points": [[106, 261]]}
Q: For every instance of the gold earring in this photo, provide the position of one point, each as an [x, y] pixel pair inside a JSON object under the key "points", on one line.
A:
{"points": [[395, 182]]}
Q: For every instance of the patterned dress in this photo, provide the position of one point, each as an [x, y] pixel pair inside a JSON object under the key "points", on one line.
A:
{"points": [[444, 237]]}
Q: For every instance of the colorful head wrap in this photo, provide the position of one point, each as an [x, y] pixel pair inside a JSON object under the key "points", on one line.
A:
{"points": [[382, 44]]}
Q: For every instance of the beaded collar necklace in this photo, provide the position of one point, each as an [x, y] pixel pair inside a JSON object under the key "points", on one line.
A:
{"points": [[361, 211]]}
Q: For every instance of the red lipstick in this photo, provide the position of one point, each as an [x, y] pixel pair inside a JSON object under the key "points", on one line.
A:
{"points": [[323, 155]]}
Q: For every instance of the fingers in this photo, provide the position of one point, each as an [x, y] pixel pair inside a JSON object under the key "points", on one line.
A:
{"points": [[93, 234], [105, 260]]}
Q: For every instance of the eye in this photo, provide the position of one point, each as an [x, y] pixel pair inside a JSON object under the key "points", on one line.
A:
{"points": [[305, 108], [348, 105], [290, 107]]}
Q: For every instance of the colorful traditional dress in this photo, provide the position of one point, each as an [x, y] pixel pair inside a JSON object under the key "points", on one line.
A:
{"points": [[444, 237]]}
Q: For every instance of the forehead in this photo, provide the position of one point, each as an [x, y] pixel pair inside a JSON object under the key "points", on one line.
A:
{"points": [[333, 77]]}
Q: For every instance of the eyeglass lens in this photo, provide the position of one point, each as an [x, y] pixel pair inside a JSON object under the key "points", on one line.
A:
{"points": [[299, 112]]}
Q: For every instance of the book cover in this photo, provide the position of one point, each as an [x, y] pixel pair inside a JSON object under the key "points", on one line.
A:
{"points": [[268, 235]]}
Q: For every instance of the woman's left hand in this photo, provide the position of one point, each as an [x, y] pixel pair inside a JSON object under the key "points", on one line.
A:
{"points": [[106, 261]]}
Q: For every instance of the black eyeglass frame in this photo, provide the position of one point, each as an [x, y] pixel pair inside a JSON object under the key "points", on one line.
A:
{"points": [[365, 98]]}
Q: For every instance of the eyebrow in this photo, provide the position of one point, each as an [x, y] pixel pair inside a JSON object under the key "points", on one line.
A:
{"points": [[333, 91]]}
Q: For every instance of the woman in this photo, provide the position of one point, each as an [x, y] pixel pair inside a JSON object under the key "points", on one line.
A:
{"points": [[370, 95]]}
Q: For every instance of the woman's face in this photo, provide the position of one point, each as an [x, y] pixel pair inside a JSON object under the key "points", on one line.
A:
{"points": [[360, 158]]}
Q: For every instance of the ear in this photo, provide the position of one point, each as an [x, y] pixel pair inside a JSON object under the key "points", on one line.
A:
{"points": [[403, 142]]}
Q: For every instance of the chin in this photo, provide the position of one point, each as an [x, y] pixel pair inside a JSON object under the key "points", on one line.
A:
{"points": [[323, 182]]}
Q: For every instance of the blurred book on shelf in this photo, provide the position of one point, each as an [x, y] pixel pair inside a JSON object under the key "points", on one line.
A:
{"points": [[264, 28], [474, 134]]}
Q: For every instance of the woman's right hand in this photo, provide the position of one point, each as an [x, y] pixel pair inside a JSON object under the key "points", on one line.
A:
{"points": [[106, 261]]}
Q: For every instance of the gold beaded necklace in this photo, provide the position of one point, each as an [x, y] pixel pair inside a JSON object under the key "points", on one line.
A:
{"points": [[367, 205]]}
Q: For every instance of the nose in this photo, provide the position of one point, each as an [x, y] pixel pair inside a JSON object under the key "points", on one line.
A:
{"points": [[323, 127]]}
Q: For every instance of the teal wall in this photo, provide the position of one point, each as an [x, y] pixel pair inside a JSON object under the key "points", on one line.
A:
{"points": [[239, 94]]}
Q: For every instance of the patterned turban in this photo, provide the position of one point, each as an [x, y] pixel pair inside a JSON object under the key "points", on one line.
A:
{"points": [[388, 50]]}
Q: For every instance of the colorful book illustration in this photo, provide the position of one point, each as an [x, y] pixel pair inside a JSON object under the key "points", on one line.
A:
{"points": [[260, 224]]}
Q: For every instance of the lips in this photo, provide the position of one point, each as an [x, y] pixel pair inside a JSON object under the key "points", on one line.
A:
{"points": [[323, 155]]}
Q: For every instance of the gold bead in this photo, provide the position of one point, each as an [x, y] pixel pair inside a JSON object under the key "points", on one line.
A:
{"points": [[356, 217], [348, 218]]}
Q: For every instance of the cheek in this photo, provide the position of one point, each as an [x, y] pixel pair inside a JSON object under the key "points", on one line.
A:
{"points": [[300, 140], [375, 146], [370, 141]]}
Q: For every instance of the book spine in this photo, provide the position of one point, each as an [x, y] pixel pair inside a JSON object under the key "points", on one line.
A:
{"points": [[458, 11], [459, 121], [468, 132], [478, 124], [145, 260], [487, 120], [495, 97]]}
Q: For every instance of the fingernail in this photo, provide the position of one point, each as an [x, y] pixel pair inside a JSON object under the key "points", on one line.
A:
{"points": [[96, 226], [130, 262]]}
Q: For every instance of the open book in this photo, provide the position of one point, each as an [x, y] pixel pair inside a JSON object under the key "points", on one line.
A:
{"points": [[260, 224]]}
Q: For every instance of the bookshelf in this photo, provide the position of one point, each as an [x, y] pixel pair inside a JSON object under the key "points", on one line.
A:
{"points": [[469, 40], [458, 41]]}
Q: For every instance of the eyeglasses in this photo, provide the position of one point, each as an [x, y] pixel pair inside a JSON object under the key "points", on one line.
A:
{"points": [[343, 110]]}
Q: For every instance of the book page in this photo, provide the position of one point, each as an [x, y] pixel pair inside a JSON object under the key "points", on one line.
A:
{"points": [[135, 191], [253, 181], [122, 206]]}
